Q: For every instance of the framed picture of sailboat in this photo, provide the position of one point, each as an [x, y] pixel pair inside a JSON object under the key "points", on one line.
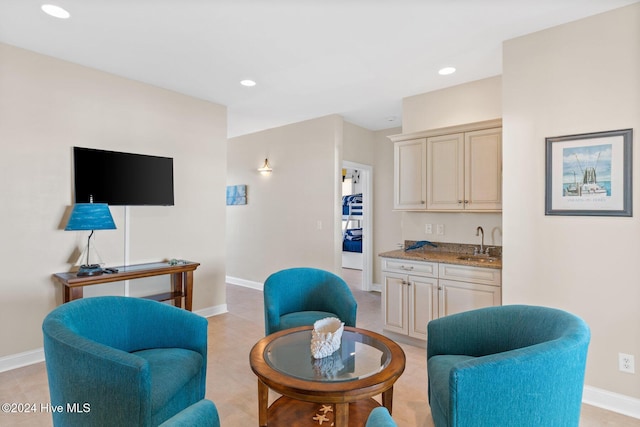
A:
{"points": [[589, 174]]}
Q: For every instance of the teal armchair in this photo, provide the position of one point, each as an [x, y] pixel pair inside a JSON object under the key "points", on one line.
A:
{"points": [[507, 366], [129, 362], [300, 296]]}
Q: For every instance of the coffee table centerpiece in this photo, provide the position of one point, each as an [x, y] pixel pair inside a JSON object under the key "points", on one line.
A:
{"points": [[326, 337]]}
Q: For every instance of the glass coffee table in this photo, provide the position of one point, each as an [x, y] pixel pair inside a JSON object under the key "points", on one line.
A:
{"points": [[336, 390]]}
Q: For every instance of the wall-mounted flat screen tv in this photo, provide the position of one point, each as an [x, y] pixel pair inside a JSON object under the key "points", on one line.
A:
{"points": [[119, 178]]}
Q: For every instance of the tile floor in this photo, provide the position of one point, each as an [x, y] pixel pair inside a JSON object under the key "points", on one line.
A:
{"points": [[233, 387]]}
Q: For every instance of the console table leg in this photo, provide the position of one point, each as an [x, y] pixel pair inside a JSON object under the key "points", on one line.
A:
{"points": [[342, 415], [176, 288], [69, 294], [263, 403], [188, 290]]}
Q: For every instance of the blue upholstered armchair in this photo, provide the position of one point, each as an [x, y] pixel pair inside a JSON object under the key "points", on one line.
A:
{"points": [[380, 417], [133, 362], [507, 366], [300, 296]]}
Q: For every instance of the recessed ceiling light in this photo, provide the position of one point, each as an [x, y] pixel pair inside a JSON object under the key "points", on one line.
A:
{"points": [[446, 71], [55, 11], [248, 83]]}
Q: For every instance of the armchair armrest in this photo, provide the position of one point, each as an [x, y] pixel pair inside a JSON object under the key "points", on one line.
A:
{"points": [[117, 382]]}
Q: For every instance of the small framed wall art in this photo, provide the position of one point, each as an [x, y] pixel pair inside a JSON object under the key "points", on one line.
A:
{"points": [[589, 174], [236, 195]]}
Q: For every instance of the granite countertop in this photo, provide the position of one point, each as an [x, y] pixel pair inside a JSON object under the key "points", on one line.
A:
{"points": [[449, 254]]}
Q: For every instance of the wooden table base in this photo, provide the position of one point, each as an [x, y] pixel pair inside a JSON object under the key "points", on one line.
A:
{"points": [[288, 412]]}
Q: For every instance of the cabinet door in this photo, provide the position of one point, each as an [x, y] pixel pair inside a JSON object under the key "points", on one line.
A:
{"points": [[445, 172], [456, 297], [410, 174], [483, 166], [423, 305], [394, 303]]}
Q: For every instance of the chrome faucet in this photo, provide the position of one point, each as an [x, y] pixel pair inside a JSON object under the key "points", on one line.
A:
{"points": [[480, 232]]}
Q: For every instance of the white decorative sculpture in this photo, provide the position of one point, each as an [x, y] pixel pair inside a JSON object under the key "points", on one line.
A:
{"points": [[326, 336]]}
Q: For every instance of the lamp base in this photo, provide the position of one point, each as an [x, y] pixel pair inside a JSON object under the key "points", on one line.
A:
{"points": [[90, 270]]}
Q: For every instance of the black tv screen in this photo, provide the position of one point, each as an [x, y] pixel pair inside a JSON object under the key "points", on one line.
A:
{"points": [[122, 178]]}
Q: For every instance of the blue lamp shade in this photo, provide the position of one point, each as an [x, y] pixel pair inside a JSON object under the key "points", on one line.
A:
{"points": [[90, 216]]}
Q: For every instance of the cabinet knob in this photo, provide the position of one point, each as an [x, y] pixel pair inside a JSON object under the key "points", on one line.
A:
{"points": [[459, 201], [402, 267], [466, 201]]}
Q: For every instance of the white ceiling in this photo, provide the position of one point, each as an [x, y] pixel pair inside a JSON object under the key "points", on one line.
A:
{"points": [[310, 58]]}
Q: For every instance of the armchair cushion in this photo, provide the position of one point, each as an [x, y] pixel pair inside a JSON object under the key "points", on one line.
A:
{"points": [[172, 371], [439, 370]]}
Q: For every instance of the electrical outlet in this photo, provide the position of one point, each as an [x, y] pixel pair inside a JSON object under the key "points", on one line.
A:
{"points": [[440, 229], [428, 228], [626, 363]]}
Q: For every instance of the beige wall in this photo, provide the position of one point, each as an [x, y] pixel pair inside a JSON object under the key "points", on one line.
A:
{"points": [[576, 78], [386, 221], [279, 226], [358, 145], [466, 103], [46, 107]]}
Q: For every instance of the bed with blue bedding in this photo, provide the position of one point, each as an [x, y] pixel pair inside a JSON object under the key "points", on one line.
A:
{"points": [[351, 205], [352, 241]]}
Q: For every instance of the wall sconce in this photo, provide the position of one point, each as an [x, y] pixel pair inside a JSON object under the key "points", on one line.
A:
{"points": [[265, 169]]}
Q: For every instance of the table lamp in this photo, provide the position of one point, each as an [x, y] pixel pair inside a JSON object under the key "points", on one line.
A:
{"points": [[90, 216]]}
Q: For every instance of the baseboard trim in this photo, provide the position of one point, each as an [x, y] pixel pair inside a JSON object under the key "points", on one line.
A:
{"points": [[611, 401], [212, 311], [19, 360], [246, 283]]}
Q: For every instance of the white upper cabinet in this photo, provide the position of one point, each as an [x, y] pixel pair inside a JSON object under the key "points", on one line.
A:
{"points": [[464, 171], [445, 172], [483, 169], [410, 174], [450, 169]]}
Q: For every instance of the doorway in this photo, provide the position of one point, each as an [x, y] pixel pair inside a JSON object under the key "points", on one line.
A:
{"points": [[358, 267]]}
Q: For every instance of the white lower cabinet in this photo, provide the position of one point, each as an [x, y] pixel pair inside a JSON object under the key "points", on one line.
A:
{"points": [[414, 293], [456, 297], [409, 302]]}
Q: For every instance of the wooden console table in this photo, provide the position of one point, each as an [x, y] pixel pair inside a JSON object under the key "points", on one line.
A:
{"points": [[181, 280]]}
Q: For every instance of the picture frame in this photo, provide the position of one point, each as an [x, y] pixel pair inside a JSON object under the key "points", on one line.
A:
{"points": [[589, 174], [236, 195]]}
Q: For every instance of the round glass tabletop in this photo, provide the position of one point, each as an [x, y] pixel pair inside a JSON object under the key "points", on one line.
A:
{"points": [[359, 356]]}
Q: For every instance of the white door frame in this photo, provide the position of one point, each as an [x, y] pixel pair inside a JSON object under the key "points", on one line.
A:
{"points": [[366, 178]]}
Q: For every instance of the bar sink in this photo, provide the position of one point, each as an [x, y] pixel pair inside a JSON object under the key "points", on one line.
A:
{"points": [[477, 258]]}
